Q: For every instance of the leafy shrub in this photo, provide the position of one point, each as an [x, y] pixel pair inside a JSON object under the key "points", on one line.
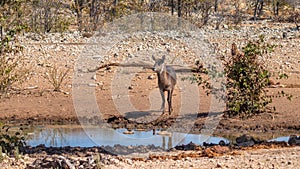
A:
{"points": [[247, 79]]}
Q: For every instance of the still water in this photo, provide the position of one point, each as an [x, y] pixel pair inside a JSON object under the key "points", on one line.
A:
{"points": [[57, 136], [280, 139]]}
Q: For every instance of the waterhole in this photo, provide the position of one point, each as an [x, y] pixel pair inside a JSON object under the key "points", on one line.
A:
{"points": [[59, 136]]}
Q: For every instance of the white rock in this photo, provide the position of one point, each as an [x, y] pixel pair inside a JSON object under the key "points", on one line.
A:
{"points": [[94, 77], [151, 77], [92, 85]]}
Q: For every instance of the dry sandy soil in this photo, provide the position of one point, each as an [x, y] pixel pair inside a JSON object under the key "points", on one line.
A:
{"points": [[34, 102]]}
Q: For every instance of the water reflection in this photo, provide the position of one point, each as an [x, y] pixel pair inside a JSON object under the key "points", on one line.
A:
{"points": [[169, 140], [57, 136], [280, 139]]}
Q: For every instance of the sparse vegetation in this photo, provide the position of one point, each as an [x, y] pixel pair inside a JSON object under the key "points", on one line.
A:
{"points": [[58, 15], [56, 77], [11, 61], [97, 159], [201, 77], [48, 16]]}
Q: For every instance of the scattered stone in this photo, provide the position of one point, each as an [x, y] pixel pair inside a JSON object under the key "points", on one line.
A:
{"points": [[219, 165], [221, 149], [294, 140], [284, 35], [151, 77], [222, 143], [100, 84], [97, 57], [92, 85], [130, 55], [245, 141], [31, 87], [190, 146], [87, 34], [94, 77]]}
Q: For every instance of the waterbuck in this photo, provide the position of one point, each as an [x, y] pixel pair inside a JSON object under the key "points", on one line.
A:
{"points": [[166, 80]]}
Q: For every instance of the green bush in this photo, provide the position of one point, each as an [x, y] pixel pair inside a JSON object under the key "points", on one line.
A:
{"points": [[246, 82], [247, 79]]}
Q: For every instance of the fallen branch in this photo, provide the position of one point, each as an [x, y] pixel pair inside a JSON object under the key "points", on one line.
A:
{"points": [[181, 68]]}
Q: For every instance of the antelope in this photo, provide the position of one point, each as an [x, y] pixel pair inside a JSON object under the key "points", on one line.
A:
{"points": [[166, 81]]}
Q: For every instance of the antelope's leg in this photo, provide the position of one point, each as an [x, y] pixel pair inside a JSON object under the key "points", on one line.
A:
{"points": [[163, 100], [170, 101]]}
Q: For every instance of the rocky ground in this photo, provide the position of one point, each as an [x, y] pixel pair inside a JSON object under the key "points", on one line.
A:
{"points": [[34, 101], [260, 156]]}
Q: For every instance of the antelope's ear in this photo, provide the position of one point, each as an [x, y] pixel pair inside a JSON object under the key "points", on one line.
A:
{"points": [[153, 57], [164, 57]]}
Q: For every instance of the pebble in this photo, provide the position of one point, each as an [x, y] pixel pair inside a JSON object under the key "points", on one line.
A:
{"points": [[92, 85], [31, 87], [219, 165], [151, 77], [94, 77]]}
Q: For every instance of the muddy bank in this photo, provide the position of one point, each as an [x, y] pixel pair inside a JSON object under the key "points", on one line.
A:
{"points": [[261, 126]]}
